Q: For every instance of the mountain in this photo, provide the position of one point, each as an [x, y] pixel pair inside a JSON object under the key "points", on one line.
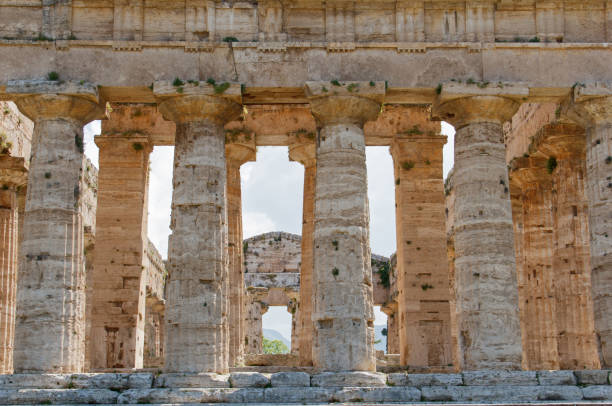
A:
{"points": [[275, 335], [382, 345]]}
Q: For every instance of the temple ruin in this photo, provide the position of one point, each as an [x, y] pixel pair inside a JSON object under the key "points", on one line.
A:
{"points": [[500, 289]]}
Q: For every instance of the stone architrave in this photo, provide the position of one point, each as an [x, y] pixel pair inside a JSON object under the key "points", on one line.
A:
{"points": [[485, 268], [304, 153], [592, 108], [422, 265], [342, 278], [50, 327], [196, 312], [236, 155], [536, 274], [119, 301], [13, 176]]}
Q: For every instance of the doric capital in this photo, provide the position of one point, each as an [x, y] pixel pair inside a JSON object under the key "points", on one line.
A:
{"points": [[138, 119], [462, 104], [417, 145], [238, 154], [195, 101], [530, 170], [561, 140], [304, 153], [591, 104], [345, 102], [50, 100]]}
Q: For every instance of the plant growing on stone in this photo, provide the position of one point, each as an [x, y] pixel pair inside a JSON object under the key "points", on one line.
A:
{"points": [[608, 160], [219, 89], [407, 165], [352, 87], [211, 81], [137, 146], [439, 89], [78, 141], [47, 175], [177, 82], [335, 82], [53, 76], [426, 286], [551, 164], [230, 39], [335, 244], [335, 272], [372, 83]]}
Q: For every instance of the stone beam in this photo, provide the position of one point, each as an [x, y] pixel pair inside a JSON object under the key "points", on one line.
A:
{"points": [[50, 328]]}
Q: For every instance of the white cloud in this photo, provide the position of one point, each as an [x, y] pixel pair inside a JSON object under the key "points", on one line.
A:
{"points": [[449, 148], [160, 197], [255, 223], [91, 149]]}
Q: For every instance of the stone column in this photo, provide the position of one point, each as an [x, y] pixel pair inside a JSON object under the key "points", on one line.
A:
{"points": [[253, 336], [196, 318], [236, 154], [342, 277], [292, 308], [593, 110], [565, 145], [486, 286], [118, 303], [50, 327], [305, 154], [393, 334], [535, 275], [423, 300], [13, 176]]}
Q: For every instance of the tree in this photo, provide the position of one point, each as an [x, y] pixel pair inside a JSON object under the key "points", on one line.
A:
{"points": [[274, 347]]}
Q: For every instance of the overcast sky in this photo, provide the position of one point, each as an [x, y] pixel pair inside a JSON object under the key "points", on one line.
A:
{"points": [[272, 200]]}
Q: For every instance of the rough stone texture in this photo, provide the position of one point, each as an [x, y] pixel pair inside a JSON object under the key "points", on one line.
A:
{"points": [[342, 277], [203, 380], [593, 109], [275, 252], [485, 270], [249, 380], [253, 335], [500, 393], [556, 378], [597, 392], [197, 290], [51, 283], [237, 154], [328, 379], [155, 273], [377, 395], [110, 381], [592, 377], [423, 281], [419, 380], [192, 395], [298, 395], [485, 378], [305, 153], [119, 298], [293, 379], [57, 396]]}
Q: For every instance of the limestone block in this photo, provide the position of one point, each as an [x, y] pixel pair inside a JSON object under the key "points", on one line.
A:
{"points": [[37, 381], [597, 392], [111, 381], [419, 380], [485, 378], [57, 396], [248, 380], [501, 393], [202, 380], [294, 379], [593, 377], [355, 378], [192, 395], [399, 394], [556, 378], [298, 395]]}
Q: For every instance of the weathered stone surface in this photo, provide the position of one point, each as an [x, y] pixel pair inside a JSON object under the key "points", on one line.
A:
{"points": [[111, 381], [192, 395], [597, 392], [556, 378], [202, 380], [50, 327], [501, 393], [486, 378], [356, 378], [342, 278], [294, 379], [298, 395], [57, 396], [592, 377], [485, 268], [378, 395], [34, 381], [248, 380], [419, 380]]}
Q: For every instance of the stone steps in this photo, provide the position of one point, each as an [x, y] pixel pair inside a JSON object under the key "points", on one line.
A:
{"points": [[299, 387]]}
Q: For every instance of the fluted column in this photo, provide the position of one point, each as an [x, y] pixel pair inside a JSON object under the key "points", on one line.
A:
{"points": [[305, 154], [196, 318], [536, 278], [423, 300], [342, 278], [593, 109], [565, 145], [486, 285], [237, 154], [13, 175], [50, 328]]}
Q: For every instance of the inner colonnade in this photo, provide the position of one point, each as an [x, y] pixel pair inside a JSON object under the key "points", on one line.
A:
{"points": [[520, 237]]}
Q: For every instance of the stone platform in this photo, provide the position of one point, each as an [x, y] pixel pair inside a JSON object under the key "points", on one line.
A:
{"points": [[547, 387]]}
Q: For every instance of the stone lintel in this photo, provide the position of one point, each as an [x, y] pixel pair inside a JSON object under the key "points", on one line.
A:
{"points": [[21, 88], [370, 90], [168, 89], [455, 90]]}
